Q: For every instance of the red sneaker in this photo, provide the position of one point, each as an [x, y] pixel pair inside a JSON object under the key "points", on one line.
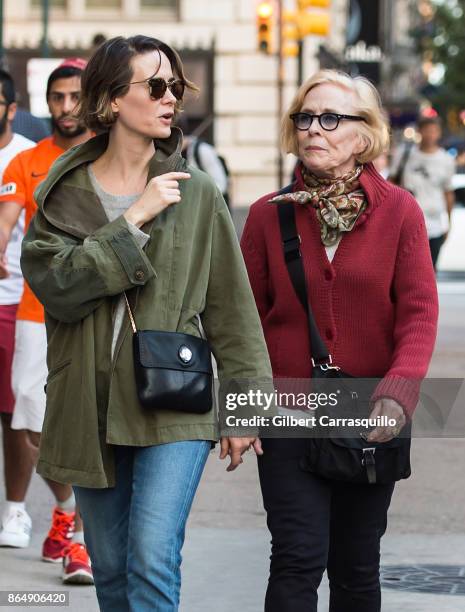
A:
{"points": [[76, 565], [58, 537]]}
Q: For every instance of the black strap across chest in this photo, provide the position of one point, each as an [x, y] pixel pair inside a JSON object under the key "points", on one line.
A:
{"points": [[291, 243]]}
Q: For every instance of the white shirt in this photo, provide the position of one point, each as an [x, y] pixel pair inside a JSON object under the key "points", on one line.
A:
{"points": [[428, 176], [11, 288], [331, 250]]}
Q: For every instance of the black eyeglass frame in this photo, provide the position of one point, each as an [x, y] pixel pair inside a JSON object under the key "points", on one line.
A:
{"points": [[168, 85], [312, 117]]}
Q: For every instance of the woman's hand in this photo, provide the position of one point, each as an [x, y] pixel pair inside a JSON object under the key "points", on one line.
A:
{"points": [[236, 447], [160, 192], [392, 410]]}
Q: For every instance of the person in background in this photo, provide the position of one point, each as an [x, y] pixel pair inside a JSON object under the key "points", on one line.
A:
{"points": [[202, 155], [65, 540], [427, 174], [30, 126], [15, 524], [381, 163], [97, 40]]}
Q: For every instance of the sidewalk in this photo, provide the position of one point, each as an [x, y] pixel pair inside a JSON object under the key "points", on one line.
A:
{"points": [[230, 565]]}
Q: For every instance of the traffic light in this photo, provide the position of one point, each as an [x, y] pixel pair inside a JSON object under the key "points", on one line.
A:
{"points": [[311, 22], [304, 4], [290, 34], [265, 27]]}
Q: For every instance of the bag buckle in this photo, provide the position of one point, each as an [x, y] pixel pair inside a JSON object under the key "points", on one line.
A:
{"points": [[292, 248], [368, 455], [369, 462], [325, 366]]}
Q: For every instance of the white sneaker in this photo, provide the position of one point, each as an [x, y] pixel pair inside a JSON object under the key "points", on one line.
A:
{"points": [[16, 529]]}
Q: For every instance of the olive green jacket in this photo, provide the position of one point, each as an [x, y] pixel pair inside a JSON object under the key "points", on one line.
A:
{"points": [[78, 264]]}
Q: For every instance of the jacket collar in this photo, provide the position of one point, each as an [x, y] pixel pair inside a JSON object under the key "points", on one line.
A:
{"points": [[67, 198]]}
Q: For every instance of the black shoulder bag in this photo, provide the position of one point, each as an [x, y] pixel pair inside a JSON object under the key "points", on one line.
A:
{"points": [[338, 458], [173, 370]]}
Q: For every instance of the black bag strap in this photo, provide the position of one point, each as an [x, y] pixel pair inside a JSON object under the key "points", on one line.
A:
{"points": [[293, 258], [398, 176]]}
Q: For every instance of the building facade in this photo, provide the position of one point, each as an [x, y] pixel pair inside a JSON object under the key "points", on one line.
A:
{"points": [[238, 106]]}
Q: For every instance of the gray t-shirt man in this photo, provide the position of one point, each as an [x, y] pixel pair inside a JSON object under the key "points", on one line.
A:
{"points": [[429, 176]]}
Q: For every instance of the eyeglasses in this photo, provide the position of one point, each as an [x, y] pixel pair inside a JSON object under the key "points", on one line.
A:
{"points": [[328, 121], [158, 87]]}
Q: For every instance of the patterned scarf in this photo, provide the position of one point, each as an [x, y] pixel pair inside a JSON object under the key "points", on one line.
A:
{"points": [[338, 202]]}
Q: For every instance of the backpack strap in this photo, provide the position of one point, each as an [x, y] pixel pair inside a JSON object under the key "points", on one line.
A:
{"points": [[198, 163], [398, 176], [195, 153]]}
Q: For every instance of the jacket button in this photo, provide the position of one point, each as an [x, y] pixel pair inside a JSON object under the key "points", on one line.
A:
{"points": [[328, 275], [329, 333], [139, 275]]}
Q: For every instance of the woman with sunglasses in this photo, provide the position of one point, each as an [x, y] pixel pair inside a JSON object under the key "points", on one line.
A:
{"points": [[370, 283], [125, 215]]}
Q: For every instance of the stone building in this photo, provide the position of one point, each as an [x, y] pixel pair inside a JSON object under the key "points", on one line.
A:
{"points": [[217, 40]]}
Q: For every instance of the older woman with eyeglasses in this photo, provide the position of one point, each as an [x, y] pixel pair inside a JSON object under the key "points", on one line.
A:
{"points": [[371, 287]]}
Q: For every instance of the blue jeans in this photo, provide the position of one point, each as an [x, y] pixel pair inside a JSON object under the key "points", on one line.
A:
{"points": [[134, 532]]}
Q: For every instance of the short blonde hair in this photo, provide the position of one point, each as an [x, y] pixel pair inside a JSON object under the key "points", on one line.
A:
{"points": [[374, 130]]}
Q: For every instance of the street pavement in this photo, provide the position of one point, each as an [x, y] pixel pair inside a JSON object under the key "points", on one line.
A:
{"points": [[452, 255], [227, 546]]}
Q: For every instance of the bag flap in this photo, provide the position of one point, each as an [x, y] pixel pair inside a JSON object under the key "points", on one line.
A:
{"points": [[360, 443], [172, 350]]}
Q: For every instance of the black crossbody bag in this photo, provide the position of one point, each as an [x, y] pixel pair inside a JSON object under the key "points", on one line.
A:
{"points": [[338, 458], [173, 370]]}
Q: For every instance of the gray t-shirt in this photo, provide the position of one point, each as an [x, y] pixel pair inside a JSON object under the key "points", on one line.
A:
{"points": [[115, 206], [428, 176]]}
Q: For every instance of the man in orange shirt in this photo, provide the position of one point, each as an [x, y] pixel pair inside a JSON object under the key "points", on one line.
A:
{"points": [[29, 371]]}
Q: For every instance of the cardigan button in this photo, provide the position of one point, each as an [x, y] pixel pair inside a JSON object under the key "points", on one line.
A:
{"points": [[329, 334], [328, 275]]}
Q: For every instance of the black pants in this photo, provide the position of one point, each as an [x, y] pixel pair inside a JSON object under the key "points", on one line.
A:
{"points": [[318, 524], [435, 245]]}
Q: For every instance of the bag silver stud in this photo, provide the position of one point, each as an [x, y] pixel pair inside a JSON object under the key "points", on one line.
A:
{"points": [[185, 354]]}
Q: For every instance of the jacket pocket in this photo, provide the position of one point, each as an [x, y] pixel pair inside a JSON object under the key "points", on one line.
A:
{"points": [[54, 372], [55, 441]]}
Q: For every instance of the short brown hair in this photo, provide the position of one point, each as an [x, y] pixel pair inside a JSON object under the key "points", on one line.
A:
{"points": [[109, 73], [424, 121], [374, 130]]}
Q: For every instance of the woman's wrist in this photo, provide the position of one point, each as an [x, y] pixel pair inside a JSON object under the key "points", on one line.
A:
{"points": [[132, 215]]}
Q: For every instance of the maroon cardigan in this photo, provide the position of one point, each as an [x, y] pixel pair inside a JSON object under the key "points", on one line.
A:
{"points": [[376, 304]]}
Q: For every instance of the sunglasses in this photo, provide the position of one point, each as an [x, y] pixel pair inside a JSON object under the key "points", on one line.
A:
{"points": [[328, 121], [158, 87]]}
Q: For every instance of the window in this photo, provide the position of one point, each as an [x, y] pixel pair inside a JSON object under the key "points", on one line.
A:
{"points": [[103, 4], [162, 4], [61, 4]]}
